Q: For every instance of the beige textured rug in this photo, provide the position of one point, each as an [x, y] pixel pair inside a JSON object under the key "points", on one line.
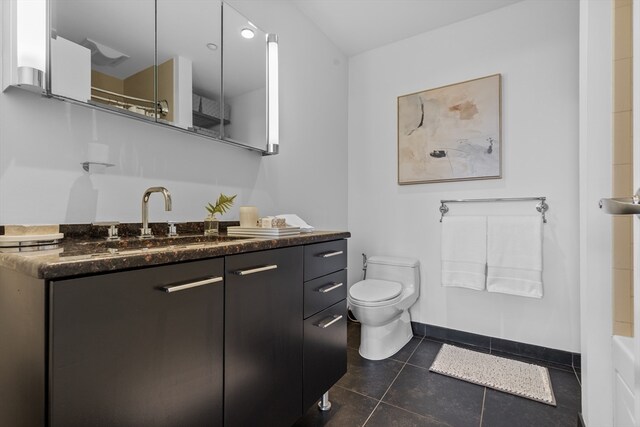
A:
{"points": [[518, 378]]}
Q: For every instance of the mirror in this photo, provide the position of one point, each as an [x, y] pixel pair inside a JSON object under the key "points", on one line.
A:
{"points": [[245, 79], [189, 58], [103, 53]]}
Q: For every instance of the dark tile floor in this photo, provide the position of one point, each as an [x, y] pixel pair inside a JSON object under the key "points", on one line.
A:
{"points": [[401, 392]]}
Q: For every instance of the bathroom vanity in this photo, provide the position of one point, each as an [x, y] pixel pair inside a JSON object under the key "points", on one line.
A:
{"points": [[228, 332]]}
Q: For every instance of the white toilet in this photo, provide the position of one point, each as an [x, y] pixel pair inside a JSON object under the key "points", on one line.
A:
{"points": [[381, 303]]}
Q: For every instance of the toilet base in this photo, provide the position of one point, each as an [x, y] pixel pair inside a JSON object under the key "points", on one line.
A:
{"points": [[380, 342]]}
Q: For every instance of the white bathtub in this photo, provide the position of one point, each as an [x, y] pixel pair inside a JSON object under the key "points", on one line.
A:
{"points": [[623, 381]]}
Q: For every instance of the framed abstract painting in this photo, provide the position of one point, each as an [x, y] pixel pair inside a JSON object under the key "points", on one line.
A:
{"points": [[451, 133]]}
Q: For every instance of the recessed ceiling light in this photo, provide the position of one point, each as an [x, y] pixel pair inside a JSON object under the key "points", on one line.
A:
{"points": [[247, 33], [212, 46]]}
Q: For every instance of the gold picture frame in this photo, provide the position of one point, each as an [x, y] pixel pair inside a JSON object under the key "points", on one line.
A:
{"points": [[451, 133]]}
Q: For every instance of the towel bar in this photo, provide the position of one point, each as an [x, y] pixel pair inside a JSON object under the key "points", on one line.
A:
{"points": [[541, 207]]}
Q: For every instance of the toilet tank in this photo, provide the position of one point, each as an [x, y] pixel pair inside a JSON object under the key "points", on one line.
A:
{"points": [[403, 270]]}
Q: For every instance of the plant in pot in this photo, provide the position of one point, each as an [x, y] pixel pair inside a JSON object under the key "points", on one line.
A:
{"points": [[222, 205]]}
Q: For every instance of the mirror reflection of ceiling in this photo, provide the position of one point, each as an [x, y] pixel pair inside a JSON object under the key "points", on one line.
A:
{"points": [[244, 59], [185, 27], [126, 26]]}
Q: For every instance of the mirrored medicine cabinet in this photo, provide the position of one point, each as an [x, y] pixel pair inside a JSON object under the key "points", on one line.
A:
{"points": [[198, 66]]}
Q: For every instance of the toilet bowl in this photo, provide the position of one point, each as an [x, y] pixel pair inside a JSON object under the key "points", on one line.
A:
{"points": [[381, 303]]}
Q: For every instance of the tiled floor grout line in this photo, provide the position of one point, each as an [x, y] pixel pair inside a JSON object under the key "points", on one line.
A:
{"points": [[408, 411], [390, 385], [484, 396]]}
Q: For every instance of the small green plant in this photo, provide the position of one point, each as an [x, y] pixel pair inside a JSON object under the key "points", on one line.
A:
{"points": [[223, 204]]}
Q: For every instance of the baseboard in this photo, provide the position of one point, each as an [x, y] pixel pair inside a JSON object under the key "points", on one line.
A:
{"points": [[498, 345], [581, 420]]}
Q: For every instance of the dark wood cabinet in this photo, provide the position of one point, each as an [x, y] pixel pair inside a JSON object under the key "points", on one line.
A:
{"points": [[251, 339], [126, 352], [263, 338], [325, 351], [325, 314]]}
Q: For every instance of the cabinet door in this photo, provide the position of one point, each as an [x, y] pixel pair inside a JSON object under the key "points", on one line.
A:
{"points": [[125, 352], [263, 338], [325, 351]]}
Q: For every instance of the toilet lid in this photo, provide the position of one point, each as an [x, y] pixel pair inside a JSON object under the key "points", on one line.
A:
{"points": [[373, 290]]}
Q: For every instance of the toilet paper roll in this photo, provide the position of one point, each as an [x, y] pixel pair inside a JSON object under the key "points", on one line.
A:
{"points": [[248, 216]]}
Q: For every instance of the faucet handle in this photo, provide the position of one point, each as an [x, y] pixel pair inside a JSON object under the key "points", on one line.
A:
{"points": [[146, 233], [172, 232], [113, 229]]}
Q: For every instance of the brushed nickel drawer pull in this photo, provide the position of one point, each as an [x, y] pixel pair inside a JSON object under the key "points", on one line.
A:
{"points": [[255, 270], [329, 288], [176, 288], [329, 321], [330, 254]]}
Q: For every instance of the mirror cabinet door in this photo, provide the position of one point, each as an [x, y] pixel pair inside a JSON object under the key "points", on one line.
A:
{"points": [[244, 80], [103, 52], [189, 64]]}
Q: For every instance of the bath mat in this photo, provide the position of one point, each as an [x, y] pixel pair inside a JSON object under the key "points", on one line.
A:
{"points": [[517, 378]]}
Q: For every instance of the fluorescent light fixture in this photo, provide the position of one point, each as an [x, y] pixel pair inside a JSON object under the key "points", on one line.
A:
{"points": [[273, 131], [31, 42], [247, 33]]}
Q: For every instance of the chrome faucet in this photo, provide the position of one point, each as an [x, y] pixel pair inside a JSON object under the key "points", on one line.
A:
{"points": [[145, 231]]}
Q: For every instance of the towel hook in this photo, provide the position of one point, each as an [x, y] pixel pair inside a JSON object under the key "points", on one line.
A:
{"points": [[543, 207], [443, 210]]}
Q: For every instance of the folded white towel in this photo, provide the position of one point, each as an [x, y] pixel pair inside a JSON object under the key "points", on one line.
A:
{"points": [[295, 221], [464, 251], [514, 255]]}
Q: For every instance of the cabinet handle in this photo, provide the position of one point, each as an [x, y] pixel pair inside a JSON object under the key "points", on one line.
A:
{"points": [[255, 270], [329, 321], [329, 288], [182, 287], [330, 254]]}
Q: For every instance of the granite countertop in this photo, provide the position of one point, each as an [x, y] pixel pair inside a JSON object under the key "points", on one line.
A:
{"points": [[80, 255]]}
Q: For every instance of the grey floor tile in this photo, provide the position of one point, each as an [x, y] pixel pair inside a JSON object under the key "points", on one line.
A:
{"points": [[433, 395], [406, 351], [502, 409], [353, 335], [390, 416], [425, 353], [369, 377], [348, 409], [566, 389]]}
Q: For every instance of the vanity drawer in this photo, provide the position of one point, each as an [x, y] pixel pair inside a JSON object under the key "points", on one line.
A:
{"points": [[321, 259], [325, 352], [324, 291]]}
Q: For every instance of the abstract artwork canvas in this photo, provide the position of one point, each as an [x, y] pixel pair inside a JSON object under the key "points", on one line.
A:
{"points": [[451, 133]]}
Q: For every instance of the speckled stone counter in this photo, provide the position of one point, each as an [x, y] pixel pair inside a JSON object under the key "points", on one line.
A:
{"points": [[77, 256]]}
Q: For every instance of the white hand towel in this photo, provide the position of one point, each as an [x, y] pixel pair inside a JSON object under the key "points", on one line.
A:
{"points": [[464, 251], [514, 255], [295, 221]]}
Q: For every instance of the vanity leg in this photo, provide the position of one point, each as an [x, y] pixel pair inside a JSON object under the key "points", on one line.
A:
{"points": [[324, 404]]}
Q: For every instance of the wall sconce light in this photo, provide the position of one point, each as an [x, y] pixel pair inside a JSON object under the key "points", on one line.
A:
{"points": [[273, 131], [25, 38]]}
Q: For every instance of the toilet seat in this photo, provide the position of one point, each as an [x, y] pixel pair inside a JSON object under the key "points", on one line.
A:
{"points": [[374, 292]]}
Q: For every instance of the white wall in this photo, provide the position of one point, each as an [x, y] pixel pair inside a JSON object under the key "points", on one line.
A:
{"points": [[534, 45], [43, 142]]}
